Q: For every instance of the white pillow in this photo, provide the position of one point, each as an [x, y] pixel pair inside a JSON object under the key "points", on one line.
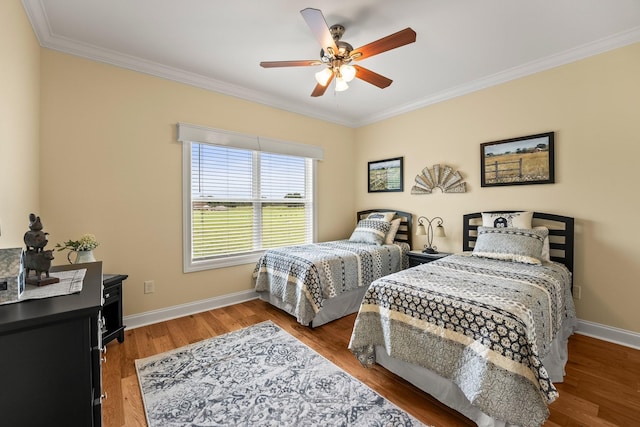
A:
{"points": [[382, 216], [507, 219], [391, 234]]}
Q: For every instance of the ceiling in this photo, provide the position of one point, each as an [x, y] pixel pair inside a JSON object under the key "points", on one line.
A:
{"points": [[461, 46]]}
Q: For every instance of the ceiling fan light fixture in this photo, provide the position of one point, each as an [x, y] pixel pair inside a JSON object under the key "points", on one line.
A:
{"points": [[323, 76], [341, 85], [337, 55], [348, 72]]}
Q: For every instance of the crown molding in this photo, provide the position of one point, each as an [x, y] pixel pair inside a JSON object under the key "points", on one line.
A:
{"points": [[615, 41], [37, 16]]}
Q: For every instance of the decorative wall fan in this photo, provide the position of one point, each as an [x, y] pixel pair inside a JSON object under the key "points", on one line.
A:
{"points": [[337, 55]]}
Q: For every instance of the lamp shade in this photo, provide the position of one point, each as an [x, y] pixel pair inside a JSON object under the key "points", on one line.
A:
{"points": [[439, 231], [348, 72], [341, 85], [421, 230], [323, 76]]}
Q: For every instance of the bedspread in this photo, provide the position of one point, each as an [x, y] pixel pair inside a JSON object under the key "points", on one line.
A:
{"points": [[306, 275], [483, 324]]}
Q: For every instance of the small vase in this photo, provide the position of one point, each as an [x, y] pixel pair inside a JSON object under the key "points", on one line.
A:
{"points": [[81, 257]]}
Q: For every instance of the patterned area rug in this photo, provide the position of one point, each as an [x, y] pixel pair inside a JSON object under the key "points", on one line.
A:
{"points": [[257, 376]]}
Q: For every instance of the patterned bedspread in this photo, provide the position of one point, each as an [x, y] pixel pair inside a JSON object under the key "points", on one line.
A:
{"points": [[483, 324], [306, 275]]}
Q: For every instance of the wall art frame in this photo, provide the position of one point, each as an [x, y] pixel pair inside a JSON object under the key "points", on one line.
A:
{"points": [[386, 175], [518, 161]]}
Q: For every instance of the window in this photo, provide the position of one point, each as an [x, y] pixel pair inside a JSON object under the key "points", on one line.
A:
{"points": [[243, 195]]}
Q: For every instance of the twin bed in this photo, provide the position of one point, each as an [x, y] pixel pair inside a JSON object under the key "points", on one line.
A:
{"points": [[321, 282], [484, 331]]}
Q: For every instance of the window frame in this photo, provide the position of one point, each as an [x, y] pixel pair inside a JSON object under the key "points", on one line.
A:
{"points": [[189, 134]]}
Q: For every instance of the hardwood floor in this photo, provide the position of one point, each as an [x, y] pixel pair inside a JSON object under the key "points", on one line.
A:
{"points": [[602, 386]]}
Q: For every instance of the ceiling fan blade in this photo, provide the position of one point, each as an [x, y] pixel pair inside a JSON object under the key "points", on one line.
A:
{"points": [[319, 90], [372, 77], [384, 44], [319, 28], [301, 63]]}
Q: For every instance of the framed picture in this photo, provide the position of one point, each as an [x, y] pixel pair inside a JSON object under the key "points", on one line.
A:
{"points": [[386, 175], [518, 161]]}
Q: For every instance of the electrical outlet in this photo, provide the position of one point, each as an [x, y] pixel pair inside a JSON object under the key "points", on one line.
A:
{"points": [[577, 292], [149, 286]]}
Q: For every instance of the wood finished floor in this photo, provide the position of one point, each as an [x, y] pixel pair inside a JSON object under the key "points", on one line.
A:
{"points": [[602, 386]]}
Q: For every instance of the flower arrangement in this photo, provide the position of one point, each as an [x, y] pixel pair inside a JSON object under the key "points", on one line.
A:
{"points": [[87, 242]]}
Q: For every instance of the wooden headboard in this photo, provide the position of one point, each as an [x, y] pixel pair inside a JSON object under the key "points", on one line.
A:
{"points": [[405, 231], [561, 229]]}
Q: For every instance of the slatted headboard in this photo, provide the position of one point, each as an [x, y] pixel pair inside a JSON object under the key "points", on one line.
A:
{"points": [[405, 231], [561, 229]]}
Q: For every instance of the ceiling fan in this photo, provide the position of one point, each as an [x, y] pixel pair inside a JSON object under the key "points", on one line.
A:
{"points": [[337, 55]]}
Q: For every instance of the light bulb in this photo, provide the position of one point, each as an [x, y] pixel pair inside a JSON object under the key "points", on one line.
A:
{"points": [[348, 72], [323, 76], [341, 85]]}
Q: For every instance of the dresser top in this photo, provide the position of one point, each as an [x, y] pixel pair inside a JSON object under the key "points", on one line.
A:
{"points": [[31, 313]]}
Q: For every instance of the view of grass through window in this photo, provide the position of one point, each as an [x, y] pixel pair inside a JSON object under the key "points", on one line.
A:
{"points": [[225, 229], [245, 201]]}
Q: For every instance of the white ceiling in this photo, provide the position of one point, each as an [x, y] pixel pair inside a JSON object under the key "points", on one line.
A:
{"points": [[461, 46]]}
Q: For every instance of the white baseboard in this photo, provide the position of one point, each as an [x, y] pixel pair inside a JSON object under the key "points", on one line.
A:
{"points": [[609, 333], [595, 330], [173, 312]]}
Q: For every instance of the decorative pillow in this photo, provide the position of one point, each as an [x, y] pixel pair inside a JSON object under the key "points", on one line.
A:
{"points": [[382, 216], [507, 219], [371, 231], [510, 244], [546, 249], [391, 234]]}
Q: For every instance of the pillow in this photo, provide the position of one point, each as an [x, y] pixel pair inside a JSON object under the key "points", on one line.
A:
{"points": [[507, 219], [393, 229], [510, 244], [382, 216], [370, 231], [546, 249]]}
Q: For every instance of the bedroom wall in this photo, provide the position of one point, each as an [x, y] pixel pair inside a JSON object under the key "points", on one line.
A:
{"points": [[593, 107], [111, 166], [19, 123]]}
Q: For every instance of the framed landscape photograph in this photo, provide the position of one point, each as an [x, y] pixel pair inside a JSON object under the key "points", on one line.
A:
{"points": [[518, 161], [385, 175]]}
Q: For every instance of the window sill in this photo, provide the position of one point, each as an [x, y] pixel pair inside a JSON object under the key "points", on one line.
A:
{"points": [[228, 261]]}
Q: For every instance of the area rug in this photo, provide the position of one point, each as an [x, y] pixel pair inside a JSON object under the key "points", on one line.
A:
{"points": [[257, 376]]}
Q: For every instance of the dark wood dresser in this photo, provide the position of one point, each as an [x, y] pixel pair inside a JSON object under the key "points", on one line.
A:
{"points": [[51, 355]]}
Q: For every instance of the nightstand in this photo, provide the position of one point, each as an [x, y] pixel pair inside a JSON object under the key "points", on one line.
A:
{"points": [[419, 257], [112, 307]]}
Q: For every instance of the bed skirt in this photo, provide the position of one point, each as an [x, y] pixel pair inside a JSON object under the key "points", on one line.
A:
{"points": [[332, 309], [449, 393]]}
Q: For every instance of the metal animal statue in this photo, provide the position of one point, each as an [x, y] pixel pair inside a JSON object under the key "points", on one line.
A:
{"points": [[38, 262], [35, 238], [36, 259]]}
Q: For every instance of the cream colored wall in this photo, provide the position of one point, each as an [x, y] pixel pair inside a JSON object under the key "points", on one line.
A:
{"points": [[593, 106], [111, 166], [19, 123]]}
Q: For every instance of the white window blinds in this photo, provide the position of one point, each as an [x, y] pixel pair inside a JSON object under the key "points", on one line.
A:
{"points": [[243, 201]]}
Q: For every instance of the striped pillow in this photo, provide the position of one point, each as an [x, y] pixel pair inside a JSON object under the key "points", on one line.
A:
{"points": [[511, 244], [370, 231]]}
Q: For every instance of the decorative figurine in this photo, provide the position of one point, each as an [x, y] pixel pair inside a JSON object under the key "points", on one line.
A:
{"points": [[37, 259]]}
